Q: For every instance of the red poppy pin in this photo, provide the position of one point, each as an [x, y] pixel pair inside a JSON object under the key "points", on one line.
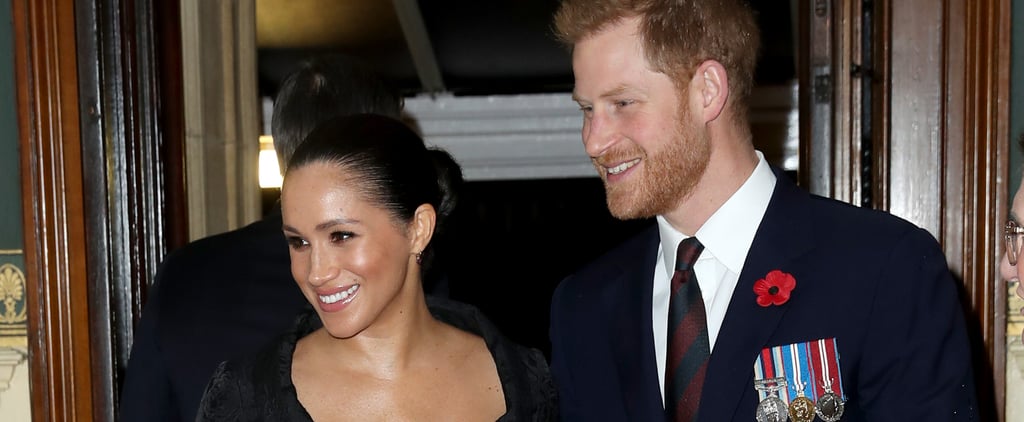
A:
{"points": [[774, 288]]}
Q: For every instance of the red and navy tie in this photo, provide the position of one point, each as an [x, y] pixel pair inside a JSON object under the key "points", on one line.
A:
{"points": [[688, 345]]}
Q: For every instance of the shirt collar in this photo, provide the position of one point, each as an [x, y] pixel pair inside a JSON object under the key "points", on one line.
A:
{"points": [[729, 232]]}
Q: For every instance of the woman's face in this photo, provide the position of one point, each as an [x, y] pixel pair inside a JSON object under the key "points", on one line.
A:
{"points": [[353, 261]]}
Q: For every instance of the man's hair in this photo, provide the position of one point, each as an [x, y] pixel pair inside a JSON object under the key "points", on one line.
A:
{"points": [[324, 87], [677, 35]]}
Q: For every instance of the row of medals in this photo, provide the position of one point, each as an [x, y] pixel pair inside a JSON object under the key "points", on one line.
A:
{"points": [[829, 406]]}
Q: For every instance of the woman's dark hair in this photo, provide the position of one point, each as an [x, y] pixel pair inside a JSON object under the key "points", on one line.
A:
{"points": [[394, 169]]}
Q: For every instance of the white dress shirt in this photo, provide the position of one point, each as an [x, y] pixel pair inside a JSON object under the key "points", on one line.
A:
{"points": [[726, 237]]}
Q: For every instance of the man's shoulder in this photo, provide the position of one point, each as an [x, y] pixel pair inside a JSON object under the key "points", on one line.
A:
{"points": [[261, 241], [256, 235], [636, 252], [844, 232], [841, 218], [253, 258]]}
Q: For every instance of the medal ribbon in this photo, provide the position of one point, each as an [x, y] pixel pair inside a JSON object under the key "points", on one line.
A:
{"points": [[825, 361], [797, 358], [769, 366]]}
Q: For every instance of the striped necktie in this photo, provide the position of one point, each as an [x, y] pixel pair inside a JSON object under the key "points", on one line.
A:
{"points": [[688, 345]]}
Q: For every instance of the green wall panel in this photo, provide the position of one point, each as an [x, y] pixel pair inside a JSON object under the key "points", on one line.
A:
{"points": [[1016, 93], [10, 180]]}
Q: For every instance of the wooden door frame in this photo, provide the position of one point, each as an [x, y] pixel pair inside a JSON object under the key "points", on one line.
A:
{"points": [[100, 135], [52, 196]]}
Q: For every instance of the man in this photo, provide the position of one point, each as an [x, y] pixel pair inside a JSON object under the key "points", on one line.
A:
{"points": [[1014, 234], [801, 306], [228, 294]]}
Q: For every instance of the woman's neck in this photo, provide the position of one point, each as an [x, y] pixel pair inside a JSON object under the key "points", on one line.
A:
{"points": [[393, 344]]}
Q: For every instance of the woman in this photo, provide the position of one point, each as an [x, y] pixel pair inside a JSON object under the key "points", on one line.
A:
{"points": [[361, 201]]}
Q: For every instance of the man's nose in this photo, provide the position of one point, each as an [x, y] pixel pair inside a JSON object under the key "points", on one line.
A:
{"points": [[1007, 271], [598, 134]]}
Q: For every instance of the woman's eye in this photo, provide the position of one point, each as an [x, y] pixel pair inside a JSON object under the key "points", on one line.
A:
{"points": [[341, 236], [296, 242]]}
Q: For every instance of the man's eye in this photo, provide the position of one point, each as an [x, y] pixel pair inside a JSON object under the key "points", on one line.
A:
{"points": [[623, 103]]}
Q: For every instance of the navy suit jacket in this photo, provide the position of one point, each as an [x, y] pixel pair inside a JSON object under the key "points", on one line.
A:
{"points": [[877, 284], [214, 299]]}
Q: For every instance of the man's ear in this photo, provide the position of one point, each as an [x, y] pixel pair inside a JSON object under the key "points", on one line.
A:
{"points": [[422, 227], [710, 86]]}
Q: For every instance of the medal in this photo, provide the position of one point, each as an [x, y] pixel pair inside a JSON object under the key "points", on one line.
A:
{"points": [[830, 405], [801, 409], [771, 408]]}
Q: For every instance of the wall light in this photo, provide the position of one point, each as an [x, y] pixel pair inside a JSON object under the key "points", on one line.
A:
{"points": [[270, 172]]}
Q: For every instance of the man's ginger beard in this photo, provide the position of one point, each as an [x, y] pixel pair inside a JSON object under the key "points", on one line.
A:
{"points": [[667, 177]]}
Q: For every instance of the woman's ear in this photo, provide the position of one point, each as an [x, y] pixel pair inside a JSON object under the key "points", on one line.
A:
{"points": [[710, 84], [422, 227]]}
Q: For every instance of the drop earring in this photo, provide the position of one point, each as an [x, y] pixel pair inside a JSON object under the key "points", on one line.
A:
{"points": [[419, 258]]}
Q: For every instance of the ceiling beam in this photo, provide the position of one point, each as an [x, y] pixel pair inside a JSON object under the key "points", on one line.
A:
{"points": [[418, 41]]}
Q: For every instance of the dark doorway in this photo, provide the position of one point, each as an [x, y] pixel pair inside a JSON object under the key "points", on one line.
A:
{"points": [[514, 241]]}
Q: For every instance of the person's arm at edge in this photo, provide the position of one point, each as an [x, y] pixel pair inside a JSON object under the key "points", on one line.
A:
{"points": [[916, 359], [146, 394], [568, 407]]}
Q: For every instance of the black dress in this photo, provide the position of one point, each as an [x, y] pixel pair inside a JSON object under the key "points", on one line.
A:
{"points": [[259, 387]]}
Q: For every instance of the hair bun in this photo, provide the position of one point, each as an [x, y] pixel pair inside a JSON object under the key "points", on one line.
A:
{"points": [[449, 181]]}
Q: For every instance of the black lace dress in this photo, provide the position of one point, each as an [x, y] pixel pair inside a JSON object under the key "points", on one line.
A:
{"points": [[259, 387]]}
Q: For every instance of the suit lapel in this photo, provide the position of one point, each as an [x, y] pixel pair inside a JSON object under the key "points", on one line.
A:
{"points": [[632, 338], [781, 237]]}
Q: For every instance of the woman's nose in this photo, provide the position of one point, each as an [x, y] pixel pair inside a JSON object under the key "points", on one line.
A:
{"points": [[322, 268]]}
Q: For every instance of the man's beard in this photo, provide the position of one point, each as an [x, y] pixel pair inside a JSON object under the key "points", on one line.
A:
{"points": [[668, 175]]}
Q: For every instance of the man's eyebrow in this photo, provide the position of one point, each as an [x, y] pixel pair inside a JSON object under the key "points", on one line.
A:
{"points": [[617, 91]]}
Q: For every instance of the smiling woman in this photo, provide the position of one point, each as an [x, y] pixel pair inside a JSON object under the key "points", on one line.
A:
{"points": [[363, 201]]}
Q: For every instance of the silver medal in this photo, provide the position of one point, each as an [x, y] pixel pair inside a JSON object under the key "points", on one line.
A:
{"points": [[829, 407], [772, 408]]}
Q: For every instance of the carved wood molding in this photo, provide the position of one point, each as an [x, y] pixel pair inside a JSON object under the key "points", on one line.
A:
{"points": [[47, 98], [976, 156], [123, 163]]}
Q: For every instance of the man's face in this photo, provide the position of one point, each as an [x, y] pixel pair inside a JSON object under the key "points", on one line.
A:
{"points": [[638, 128], [1014, 273]]}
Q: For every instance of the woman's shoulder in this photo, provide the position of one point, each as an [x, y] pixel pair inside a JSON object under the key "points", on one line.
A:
{"points": [[235, 389], [255, 386]]}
